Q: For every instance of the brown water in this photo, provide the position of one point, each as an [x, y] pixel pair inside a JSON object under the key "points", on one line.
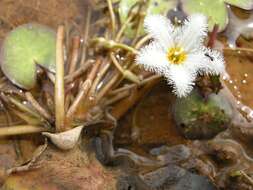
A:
{"points": [[150, 123]]}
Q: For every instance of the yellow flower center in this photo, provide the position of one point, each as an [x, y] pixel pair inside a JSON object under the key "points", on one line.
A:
{"points": [[176, 55]]}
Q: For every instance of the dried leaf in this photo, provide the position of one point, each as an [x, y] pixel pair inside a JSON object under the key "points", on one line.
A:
{"points": [[65, 140]]}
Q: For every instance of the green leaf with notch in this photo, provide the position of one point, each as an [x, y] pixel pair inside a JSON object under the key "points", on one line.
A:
{"points": [[24, 48]]}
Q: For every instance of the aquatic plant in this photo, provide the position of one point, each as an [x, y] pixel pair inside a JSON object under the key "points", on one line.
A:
{"points": [[24, 48], [95, 83], [178, 53]]}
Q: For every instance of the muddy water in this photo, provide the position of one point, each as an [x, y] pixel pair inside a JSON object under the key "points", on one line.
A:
{"points": [[240, 66], [150, 124]]}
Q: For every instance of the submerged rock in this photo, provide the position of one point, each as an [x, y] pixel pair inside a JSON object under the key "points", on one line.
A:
{"points": [[198, 118], [172, 154], [173, 177], [131, 182], [170, 177]]}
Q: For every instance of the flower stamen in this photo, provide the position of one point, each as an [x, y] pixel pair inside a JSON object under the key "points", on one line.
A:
{"points": [[176, 55]]}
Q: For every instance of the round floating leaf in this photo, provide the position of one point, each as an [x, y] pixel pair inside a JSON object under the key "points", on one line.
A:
{"points": [[23, 48], [244, 4], [215, 10]]}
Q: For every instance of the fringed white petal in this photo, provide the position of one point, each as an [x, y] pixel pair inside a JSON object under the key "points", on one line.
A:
{"points": [[196, 62], [153, 58], [181, 79], [193, 32], [214, 63], [199, 59], [161, 29]]}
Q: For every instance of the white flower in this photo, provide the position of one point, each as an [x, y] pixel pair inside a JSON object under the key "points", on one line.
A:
{"points": [[178, 53]]}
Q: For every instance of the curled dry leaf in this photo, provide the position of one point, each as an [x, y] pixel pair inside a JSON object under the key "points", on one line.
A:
{"points": [[65, 140]]}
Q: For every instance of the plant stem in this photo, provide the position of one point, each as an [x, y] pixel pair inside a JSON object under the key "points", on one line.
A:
{"points": [[122, 107], [24, 108], [26, 117], [122, 29], [72, 62], [20, 130], [238, 49], [108, 86], [59, 82], [79, 72], [116, 63], [37, 106], [112, 16], [116, 98], [117, 77], [110, 44], [74, 54], [126, 73], [131, 86], [86, 35], [138, 30], [250, 180], [142, 41], [213, 36], [102, 71], [84, 90]]}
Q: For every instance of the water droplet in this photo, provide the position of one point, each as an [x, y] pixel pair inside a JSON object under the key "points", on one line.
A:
{"points": [[100, 85], [231, 45], [224, 77], [245, 75], [91, 98], [244, 81], [250, 115], [230, 81], [243, 108], [235, 87]]}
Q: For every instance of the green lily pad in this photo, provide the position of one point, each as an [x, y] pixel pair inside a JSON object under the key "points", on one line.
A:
{"points": [[215, 10], [23, 48], [154, 7]]}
